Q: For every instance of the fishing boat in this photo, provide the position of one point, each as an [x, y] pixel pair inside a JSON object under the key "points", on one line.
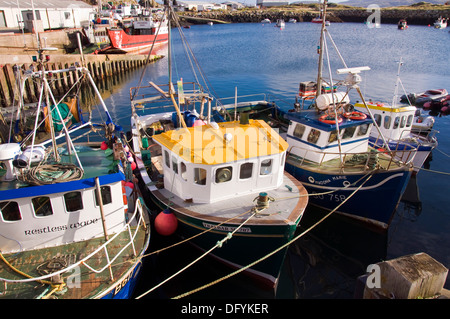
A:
{"points": [[395, 123], [329, 151], [266, 21], [280, 23], [441, 23], [144, 32], [402, 24], [422, 122], [321, 18], [73, 225], [222, 181]]}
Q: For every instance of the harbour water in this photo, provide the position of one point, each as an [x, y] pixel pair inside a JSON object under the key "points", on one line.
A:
{"points": [[256, 58]]}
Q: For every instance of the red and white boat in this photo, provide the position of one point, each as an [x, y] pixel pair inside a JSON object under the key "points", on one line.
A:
{"points": [[138, 36]]}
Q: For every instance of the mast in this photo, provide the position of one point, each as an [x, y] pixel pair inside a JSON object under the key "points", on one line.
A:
{"points": [[320, 49]]}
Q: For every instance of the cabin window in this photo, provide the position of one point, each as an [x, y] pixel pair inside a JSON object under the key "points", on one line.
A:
{"points": [[266, 167], [409, 120], [183, 171], [73, 201], [396, 122], [333, 136], [349, 132], [246, 171], [199, 176], [167, 158], [313, 136], [363, 129], [387, 121], [10, 211], [224, 174], [42, 206], [403, 121], [67, 15], [377, 118], [175, 164], [299, 130], [105, 191]]}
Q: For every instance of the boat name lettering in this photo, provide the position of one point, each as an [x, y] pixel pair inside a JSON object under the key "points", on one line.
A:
{"points": [[322, 182], [331, 197], [122, 283], [227, 228], [53, 229]]}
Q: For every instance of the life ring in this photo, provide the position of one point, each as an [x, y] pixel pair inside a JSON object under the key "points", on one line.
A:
{"points": [[355, 115], [330, 119]]}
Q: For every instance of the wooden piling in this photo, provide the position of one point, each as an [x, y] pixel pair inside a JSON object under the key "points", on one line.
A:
{"points": [[99, 66]]}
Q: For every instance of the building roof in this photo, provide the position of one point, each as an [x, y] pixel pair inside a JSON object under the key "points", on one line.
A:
{"points": [[39, 4], [230, 141]]}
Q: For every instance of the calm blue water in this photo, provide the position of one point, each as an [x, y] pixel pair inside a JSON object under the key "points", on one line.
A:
{"points": [[259, 58]]}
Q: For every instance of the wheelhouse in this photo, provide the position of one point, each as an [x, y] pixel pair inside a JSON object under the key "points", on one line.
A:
{"points": [[213, 162], [310, 136]]}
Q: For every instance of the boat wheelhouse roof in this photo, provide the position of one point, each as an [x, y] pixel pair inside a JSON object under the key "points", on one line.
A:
{"points": [[223, 142], [311, 118], [387, 107]]}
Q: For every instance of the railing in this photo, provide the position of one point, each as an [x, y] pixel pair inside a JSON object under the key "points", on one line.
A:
{"points": [[364, 161], [140, 221]]}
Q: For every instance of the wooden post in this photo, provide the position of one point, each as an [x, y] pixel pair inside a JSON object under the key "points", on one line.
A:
{"points": [[5, 95]]}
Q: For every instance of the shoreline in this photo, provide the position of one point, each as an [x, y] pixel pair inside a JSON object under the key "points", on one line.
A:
{"points": [[415, 15]]}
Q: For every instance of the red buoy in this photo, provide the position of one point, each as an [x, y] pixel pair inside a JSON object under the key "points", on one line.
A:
{"points": [[166, 223], [104, 146]]}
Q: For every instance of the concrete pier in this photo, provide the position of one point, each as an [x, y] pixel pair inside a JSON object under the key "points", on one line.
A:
{"points": [[416, 276], [100, 66]]}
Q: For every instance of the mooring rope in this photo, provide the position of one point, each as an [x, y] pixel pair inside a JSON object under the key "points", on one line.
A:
{"points": [[273, 252], [217, 245]]}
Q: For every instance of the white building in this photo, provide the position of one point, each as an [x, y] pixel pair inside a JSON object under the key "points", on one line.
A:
{"points": [[50, 14], [201, 6], [233, 5], [271, 3]]}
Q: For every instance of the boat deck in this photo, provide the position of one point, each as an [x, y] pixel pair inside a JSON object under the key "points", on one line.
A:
{"points": [[80, 282], [351, 163], [95, 162], [289, 202]]}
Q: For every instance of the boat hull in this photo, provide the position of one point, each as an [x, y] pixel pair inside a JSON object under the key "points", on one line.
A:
{"points": [[120, 41], [374, 203], [124, 289], [249, 244]]}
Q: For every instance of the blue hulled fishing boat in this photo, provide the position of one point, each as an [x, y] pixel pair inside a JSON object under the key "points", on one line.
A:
{"points": [[329, 150]]}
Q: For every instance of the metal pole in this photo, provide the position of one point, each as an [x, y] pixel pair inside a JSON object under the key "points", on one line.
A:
{"points": [[100, 202]]}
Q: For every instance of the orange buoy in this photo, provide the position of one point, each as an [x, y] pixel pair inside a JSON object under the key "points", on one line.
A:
{"points": [[166, 223]]}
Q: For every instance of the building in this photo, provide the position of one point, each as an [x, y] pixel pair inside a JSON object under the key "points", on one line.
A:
{"points": [[50, 14], [233, 5], [200, 6], [271, 3]]}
